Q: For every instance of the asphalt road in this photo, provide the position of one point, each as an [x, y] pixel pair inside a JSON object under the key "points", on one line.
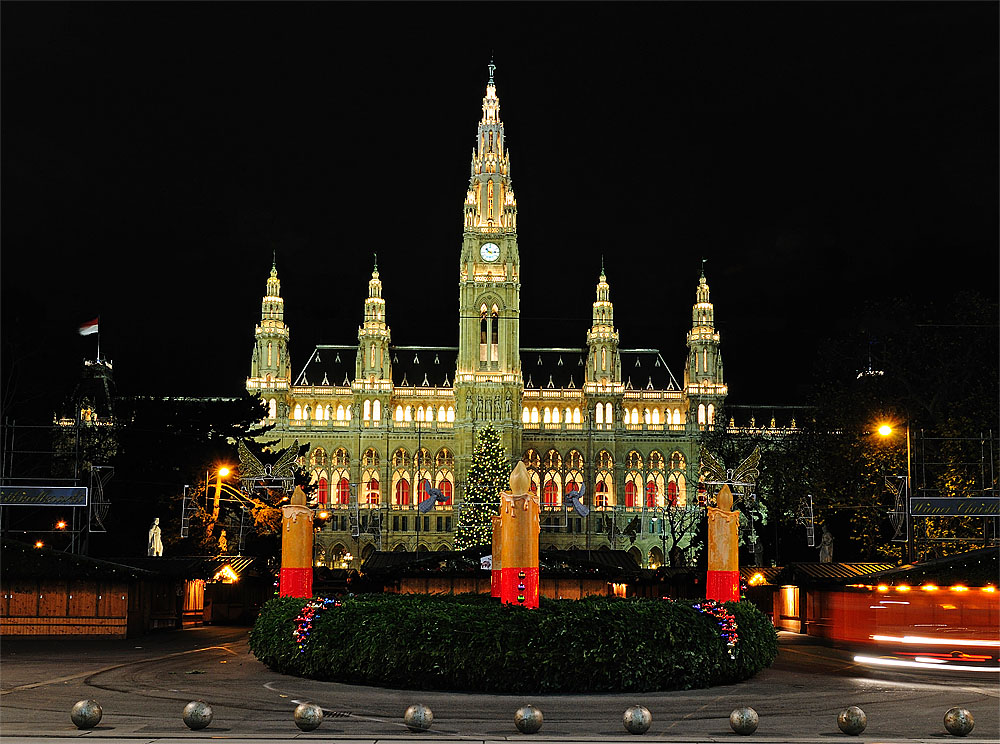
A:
{"points": [[143, 684]]}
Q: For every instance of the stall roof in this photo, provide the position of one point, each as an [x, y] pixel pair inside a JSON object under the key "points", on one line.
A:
{"points": [[974, 568], [826, 574]]}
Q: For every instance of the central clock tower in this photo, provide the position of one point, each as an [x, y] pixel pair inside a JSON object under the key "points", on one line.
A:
{"points": [[488, 381]]}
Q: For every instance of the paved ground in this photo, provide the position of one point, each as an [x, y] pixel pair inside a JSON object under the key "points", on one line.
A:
{"points": [[143, 685]]}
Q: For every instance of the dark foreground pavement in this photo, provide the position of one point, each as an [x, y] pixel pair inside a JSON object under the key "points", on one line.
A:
{"points": [[143, 684]]}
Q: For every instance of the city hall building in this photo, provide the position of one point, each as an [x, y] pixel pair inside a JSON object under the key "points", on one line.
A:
{"points": [[382, 418]]}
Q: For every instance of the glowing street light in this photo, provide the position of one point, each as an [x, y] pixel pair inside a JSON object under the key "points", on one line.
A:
{"points": [[61, 524], [223, 472], [886, 430]]}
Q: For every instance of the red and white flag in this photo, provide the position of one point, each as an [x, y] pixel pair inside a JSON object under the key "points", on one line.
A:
{"points": [[89, 327]]}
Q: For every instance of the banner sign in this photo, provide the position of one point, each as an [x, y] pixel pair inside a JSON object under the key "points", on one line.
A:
{"points": [[486, 562], [43, 496], [972, 506]]}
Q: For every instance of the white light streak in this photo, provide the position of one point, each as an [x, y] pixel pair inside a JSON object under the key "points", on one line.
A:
{"points": [[926, 641], [921, 665]]}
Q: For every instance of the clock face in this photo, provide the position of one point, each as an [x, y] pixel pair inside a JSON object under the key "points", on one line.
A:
{"points": [[490, 251]]}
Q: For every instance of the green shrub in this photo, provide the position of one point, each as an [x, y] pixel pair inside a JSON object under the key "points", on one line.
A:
{"points": [[473, 643]]}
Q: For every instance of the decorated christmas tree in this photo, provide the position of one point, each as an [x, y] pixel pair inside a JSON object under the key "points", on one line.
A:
{"points": [[488, 476]]}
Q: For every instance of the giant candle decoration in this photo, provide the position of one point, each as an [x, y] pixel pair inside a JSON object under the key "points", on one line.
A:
{"points": [[519, 528], [495, 567], [723, 584], [296, 547]]}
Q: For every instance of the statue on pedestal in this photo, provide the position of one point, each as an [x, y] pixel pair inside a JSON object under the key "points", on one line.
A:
{"points": [[826, 546], [154, 546]]}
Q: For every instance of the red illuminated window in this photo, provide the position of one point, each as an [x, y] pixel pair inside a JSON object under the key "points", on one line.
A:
{"points": [[343, 491], [630, 494], [323, 492], [651, 494], [550, 493], [403, 492]]}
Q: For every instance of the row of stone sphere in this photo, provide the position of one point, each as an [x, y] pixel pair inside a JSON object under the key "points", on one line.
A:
{"points": [[527, 719]]}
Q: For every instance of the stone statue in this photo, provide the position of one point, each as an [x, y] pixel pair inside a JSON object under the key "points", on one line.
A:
{"points": [[223, 542], [154, 547], [826, 546]]}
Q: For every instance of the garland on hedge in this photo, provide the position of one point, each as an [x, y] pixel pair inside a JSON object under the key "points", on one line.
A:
{"points": [[725, 619], [304, 622]]}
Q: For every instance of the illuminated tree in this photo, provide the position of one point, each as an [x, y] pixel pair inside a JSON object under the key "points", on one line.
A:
{"points": [[488, 476]]}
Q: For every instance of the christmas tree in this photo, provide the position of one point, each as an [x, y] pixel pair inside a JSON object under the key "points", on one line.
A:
{"points": [[488, 476]]}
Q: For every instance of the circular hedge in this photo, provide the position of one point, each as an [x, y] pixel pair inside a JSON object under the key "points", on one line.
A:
{"points": [[472, 643]]}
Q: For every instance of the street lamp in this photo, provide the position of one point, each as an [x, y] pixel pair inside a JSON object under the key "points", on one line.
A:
{"points": [[886, 430], [222, 473]]}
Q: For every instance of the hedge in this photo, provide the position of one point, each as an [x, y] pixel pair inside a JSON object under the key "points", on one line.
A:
{"points": [[473, 643]]}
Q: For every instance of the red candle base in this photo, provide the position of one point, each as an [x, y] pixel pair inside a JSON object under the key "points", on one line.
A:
{"points": [[296, 582], [723, 586], [519, 586], [495, 583]]}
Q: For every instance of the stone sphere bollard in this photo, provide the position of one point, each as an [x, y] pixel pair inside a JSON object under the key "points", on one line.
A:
{"points": [[528, 719], [744, 721], [958, 721], [86, 714], [852, 720], [637, 719], [308, 716], [197, 714], [418, 717]]}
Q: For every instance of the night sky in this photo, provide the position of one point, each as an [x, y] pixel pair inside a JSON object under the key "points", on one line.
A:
{"points": [[154, 155]]}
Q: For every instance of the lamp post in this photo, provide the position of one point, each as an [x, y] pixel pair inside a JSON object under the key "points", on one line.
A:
{"points": [[886, 430], [222, 473]]}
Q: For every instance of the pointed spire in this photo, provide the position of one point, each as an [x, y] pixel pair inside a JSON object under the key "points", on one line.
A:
{"points": [[491, 67], [375, 269]]}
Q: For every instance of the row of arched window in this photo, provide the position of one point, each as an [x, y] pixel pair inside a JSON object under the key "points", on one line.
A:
{"points": [[371, 410], [604, 414], [420, 468]]}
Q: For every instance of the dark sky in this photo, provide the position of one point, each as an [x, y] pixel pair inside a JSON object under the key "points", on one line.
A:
{"points": [[154, 155]]}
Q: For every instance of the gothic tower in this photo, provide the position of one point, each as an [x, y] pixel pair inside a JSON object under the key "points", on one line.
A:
{"points": [[488, 382], [603, 386], [270, 367], [373, 369], [703, 379]]}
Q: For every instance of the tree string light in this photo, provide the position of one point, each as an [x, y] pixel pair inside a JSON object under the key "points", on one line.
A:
{"points": [[304, 622]]}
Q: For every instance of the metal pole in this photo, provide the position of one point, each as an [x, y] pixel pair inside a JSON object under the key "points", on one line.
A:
{"points": [[909, 516]]}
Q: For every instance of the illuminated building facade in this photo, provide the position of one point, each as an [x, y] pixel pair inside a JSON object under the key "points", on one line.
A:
{"points": [[383, 418]]}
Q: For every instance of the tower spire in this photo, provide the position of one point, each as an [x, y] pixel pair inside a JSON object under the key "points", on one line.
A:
{"points": [[489, 201], [491, 67]]}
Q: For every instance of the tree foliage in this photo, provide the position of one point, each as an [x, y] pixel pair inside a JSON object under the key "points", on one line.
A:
{"points": [[932, 365], [488, 476]]}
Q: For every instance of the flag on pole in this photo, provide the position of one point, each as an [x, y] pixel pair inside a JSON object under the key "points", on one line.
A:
{"points": [[89, 327]]}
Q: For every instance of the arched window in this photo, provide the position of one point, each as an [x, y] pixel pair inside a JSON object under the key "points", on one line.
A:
{"points": [[701, 414], [377, 410], [451, 413], [656, 416], [322, 491], [441, 413], [408, 414], [484, 333], [343, 491], [525, 415], [555, 415], [272, 409], [340, 458], [373, 492], [651, 494], [630, 494], [646, 418], [550, 493], [677, 417], [367, 411], [601, 495], [268, 353], [402, 495], [534, 415], [495, 334], [576, 415], [420, 413], [298, 412], [319, 413], [399, 413], [711, 414], [547, 416], [599, 414], [608, 414]]}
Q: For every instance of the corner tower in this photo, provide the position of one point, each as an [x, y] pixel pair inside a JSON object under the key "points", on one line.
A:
{"points": [[488, 382], [270, 366], [703, 380]]}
